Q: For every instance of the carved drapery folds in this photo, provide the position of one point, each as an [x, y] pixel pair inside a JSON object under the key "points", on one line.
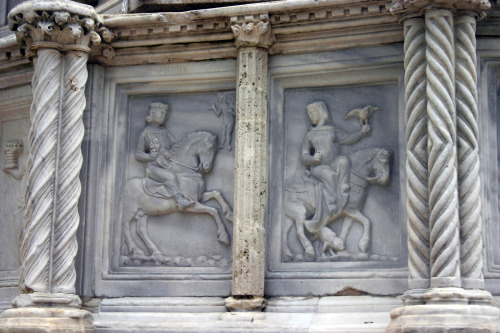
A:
{"points": [[57, 36], [253, 38]]}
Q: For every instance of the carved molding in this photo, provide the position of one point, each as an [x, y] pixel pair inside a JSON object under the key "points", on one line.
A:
{"points": [[411, 8], [443, 188], [252, 30], [416, 163]]}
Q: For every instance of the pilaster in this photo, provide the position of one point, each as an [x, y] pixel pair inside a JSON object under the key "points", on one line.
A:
{"points": [[253, 38], [57, 36], [444, 226]]}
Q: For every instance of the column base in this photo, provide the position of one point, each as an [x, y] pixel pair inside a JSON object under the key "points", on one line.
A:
{"points": [[46, 312], [45, 320], [446, 310], [236, 304]]}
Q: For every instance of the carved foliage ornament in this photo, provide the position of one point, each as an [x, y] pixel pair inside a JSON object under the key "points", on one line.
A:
{"points": [[63, 25], [419, 7], [252, 30]]}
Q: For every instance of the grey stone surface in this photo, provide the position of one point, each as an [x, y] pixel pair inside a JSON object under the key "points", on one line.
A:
{"points": [[283, 314]]}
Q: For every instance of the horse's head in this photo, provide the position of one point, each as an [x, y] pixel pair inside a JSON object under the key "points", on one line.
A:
{"points": [[372, 164], [207, 150]]}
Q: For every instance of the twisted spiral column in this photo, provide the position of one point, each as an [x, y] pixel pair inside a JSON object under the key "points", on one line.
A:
{"points": [[443, 197], [69, 166], [468, 153], [416, 152], [41, 167]]}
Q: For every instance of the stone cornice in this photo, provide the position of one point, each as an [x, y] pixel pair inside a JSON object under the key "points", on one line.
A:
{"points": [[206, 34], [412, 8], [62, 25]]}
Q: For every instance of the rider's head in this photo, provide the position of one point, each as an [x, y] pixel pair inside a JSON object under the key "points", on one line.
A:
{"points": [[318, 113], [158, 114]]}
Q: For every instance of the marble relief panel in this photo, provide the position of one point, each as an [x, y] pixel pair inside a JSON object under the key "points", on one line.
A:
{"points": [[340, 172], [337, 195], [14, 135], [159, 180], [177, 198]]}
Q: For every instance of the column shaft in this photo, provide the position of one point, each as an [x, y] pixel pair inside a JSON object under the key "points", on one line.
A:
{"points": [[416, 151], [36, 249], [250, 187], [468, 153], [443, 188]]}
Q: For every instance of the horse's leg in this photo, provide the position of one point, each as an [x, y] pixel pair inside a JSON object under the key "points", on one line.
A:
{"points": [[346, 227], [287, 254], [133, 249], [217, 196], [300, 213], [223, 237], [357, 216], [142, 231]]}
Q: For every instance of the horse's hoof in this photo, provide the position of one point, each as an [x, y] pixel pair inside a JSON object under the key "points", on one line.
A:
{"points": [[137, 253], [224, 239], [363, 246], [229, 216], [288, 256], [310, 256]]}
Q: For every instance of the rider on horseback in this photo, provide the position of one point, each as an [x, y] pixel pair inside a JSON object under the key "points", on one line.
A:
{"points": [[321, 154], [153, 149]]}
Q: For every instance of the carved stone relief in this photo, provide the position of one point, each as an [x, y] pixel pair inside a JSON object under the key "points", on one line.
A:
{"points": [[329, 186], [338, 207], [170, 181], [13, 184], [13, 149]]}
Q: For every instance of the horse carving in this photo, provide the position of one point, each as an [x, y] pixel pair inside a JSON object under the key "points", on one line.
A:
{"points": [[368, 166], [190, 159]]}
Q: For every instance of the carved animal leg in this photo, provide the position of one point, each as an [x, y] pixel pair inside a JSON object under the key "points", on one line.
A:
{"points": [[346, 227], [287, 254], [223, 237], [357, 216], [133, 249], [300, 216], [142, 231], [217, 196]]}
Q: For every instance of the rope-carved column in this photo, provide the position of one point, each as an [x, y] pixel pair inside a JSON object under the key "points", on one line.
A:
{"points": [[451, 299], [443, 198], [468, 153], [416, 164], [57, 36], [253, 38]]}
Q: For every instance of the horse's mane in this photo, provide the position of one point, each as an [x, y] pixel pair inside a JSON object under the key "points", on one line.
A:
{"points": [[190, 138]]}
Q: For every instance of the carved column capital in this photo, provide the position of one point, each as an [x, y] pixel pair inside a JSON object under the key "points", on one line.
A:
{"points": [[412, 8], [252, 30], [62, 25]]}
